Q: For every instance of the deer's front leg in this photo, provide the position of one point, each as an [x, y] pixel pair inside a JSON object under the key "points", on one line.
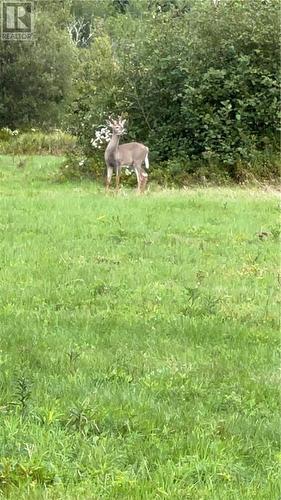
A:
{"points": [[108, 178], [118, 173]]}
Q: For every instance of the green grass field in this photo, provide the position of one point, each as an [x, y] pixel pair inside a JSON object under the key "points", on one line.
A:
{"points": [[139, 341]]}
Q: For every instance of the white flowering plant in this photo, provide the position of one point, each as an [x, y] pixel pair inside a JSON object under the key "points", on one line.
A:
{"points": [[6, 133], [102, 136]]}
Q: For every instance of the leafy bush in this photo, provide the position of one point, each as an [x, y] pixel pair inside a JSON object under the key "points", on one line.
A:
{"points": [[78, 166]]}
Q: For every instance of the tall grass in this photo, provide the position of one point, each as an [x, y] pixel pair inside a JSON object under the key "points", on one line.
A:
{"points": [[139, 341], [36, 142]]}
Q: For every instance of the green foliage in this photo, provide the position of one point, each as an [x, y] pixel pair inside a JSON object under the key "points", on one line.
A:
{"points": [[35, 77], [149, 327], [231, 96], [199, 84], [121, 5], [78, 166]]}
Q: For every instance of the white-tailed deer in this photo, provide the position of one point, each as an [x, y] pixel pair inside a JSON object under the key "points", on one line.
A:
{"points": [[131, 155]]}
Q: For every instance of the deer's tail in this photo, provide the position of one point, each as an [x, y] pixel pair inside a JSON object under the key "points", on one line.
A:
{"points": [[146, 160]]}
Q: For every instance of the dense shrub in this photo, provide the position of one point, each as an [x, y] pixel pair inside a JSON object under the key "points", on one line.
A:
{"points": [[77, 166]]}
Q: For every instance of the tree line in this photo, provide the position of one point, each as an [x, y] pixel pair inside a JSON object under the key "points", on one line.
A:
{"points": [[198, 80]]}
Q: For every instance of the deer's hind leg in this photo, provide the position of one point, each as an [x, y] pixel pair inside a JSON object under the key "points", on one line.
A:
{"points": [[144, 179], [138, 174]]}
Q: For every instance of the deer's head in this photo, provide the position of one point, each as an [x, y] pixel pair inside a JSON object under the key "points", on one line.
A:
{"points": [[117, 126]]}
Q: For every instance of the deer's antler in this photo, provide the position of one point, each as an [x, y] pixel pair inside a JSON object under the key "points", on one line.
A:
{"points": [[114, 123], [111, 122], [121, 120]]}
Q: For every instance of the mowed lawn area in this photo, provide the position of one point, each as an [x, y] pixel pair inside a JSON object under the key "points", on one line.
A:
{"points": [[139, 340]]}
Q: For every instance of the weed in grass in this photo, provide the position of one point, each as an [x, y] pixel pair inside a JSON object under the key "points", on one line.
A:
{"points": [[276, 231], [73, 356], [22, 395], [82, 419]]}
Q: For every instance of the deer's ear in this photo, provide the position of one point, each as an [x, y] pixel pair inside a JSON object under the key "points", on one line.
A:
{"points": [[123, 122]]}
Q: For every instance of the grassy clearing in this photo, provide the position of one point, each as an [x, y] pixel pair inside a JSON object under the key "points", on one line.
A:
{"points": [[139, 341]]}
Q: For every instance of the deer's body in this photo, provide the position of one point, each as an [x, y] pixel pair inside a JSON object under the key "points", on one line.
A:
{"points": [[131, 155]]}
